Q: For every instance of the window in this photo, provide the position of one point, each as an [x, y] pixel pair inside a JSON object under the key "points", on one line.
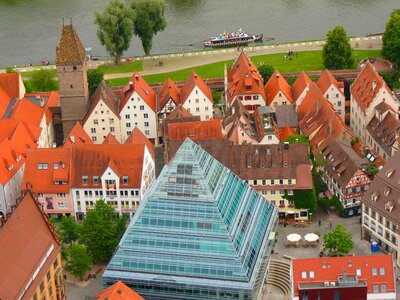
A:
{"points": [[289, 181], [374, 272], [141, 107], [197, 100], [95, 179], [339, 103], [147, 132], [43, 166], [125, 179], [358, 272], [381, 271], [111, 121], [197, 109], [93, 130], [281, 181], [128, 133], [146, 116], [303, 275], [127, 117], [375, 288], [55, 166], [272, 181], [112, 129], [312, 274], [61, 195], [84, 180], [383, 288], [146, 124], [94, 139], [71, 86], [95, 121], [128, 125]]}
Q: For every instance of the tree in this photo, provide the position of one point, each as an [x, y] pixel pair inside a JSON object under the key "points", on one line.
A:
{"points": [[149, 20], [337, 53], [78, 260], [101, 231], [115, 28], [265, 71], [391, 38], [43, 81], [68, 230], [306, 199], [338, 241], [297, 139], [95, 77]]}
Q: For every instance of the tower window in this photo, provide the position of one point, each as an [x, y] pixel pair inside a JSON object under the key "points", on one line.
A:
{"points": [[71, 86], [75, 68]]}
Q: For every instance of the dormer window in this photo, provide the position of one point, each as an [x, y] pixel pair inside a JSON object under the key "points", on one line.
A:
{"points": [[386, 192], [389, 173], [95, 179], [43, 166], [10, 167], [55, 166], [374, 196], [125, 180], [84, 180], [18, 159]]}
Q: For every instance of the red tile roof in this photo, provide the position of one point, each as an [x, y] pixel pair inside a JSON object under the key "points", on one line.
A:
{"points": [[327, 269], [10, 83], [19, 133], [200, 130], [301, 83], [42, 181], [110, 139], [4, 101], [179, 112], [317, 117], [285, 132], [26, 240], [326, 80], [244, 79], [25, 110], [139, 85], [10, 160], [193, 81], [168, 91], [78, 135], [107, 95], [276, 84], [366, 86], [138, 138], [70, 50], [118, 291]]}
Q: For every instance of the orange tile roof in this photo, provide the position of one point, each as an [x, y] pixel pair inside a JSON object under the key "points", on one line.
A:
{"points": [[140, 86], [26, 239], [19, 134], [4, 101], [42, 181], [285, 132], [200, 130], [317, 116], [78, 135], [179, 112], [327, 269], [107, 95], [110, 139], [10, 161], [118, 291], [9, 82], [193, 81], [70, 50], [138, 138], [301, 83], [25, 110], [244, 79], [168, 91], [363, 89], [326, 79], [275, 84]]}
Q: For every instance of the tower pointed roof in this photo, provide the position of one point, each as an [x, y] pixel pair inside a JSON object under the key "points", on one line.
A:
{"points": [[70, 50], [198, 224]]}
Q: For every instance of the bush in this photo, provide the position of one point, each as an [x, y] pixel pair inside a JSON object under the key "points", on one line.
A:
{"points": [[335, 202], [217, 96]]}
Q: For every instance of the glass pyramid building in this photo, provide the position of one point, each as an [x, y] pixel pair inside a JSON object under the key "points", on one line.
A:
{"points": [[200, 233]]}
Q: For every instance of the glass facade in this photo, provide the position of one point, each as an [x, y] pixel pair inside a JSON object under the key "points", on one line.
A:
{"points": [[200, 233]]}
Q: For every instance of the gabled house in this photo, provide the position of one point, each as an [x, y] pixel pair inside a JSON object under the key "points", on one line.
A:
{"points": [[102, 115], [383, 131], [332, 91], [168, 99], [110, 139], [318, 120], [138, 108], [244, 83], [78, 136], [196, 97], [367, 92], [278, 91], [343, 173], [300, 87], [138, 138]]}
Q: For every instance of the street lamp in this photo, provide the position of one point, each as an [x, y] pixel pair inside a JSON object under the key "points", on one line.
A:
{"points": [[310, 215]]}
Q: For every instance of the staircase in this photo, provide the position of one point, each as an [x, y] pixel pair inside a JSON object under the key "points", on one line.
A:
{"points": [[279, 275]]}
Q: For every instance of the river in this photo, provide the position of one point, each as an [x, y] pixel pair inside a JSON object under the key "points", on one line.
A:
{"points": [[29, 29]]}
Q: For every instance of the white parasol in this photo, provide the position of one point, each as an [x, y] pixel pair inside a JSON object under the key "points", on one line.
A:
{"points": [[294, 237], [311, 237]]}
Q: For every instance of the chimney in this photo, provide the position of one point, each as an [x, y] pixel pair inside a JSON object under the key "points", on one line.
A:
{"points": [[41, 102], [286, 145], [137, 77], [277, 75]]}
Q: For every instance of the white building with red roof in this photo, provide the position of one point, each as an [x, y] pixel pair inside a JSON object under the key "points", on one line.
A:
{"points": [[332, 91], [349, 277], [368, 91], [196, 97], [278, 91], [244, 83], [300, 87], [168, 98], [138, 108]]}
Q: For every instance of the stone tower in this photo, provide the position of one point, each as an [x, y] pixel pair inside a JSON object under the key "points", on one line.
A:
{"points": [[72, 78]]}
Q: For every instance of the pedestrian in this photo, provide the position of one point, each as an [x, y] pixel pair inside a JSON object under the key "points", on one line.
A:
{"points": [[319, 223], [330, 225]]}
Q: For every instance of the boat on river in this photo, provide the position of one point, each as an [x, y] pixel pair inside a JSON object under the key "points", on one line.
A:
{"points": [[231, 39]]}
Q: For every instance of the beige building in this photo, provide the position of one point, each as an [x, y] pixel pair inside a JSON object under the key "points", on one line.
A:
{"points": [[278, 91], [102, 116]]}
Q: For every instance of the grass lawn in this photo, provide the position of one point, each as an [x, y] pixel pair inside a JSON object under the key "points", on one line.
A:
{"points": [[307, 61], [30, 73], [126, 67]]}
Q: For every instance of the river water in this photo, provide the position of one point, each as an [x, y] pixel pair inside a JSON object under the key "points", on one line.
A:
{"points": [[29, 29]]}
